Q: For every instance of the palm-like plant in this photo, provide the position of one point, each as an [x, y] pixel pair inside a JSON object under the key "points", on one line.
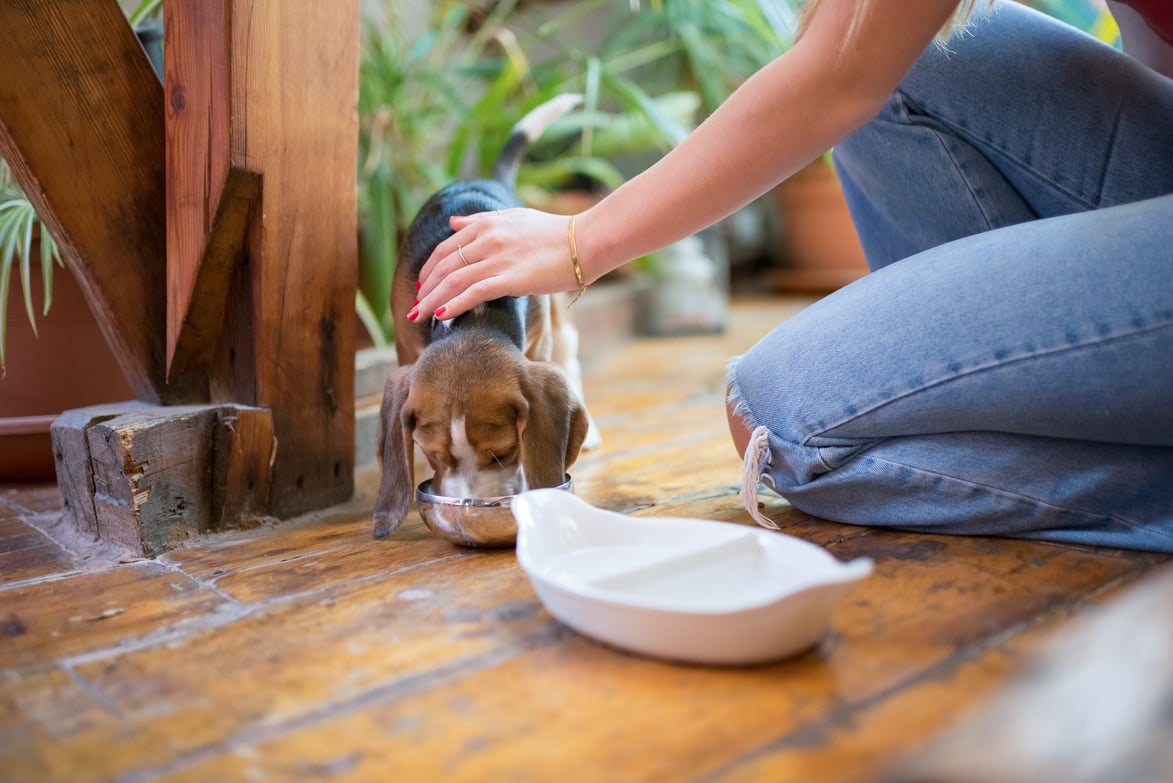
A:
{"points": [[20, 230]]}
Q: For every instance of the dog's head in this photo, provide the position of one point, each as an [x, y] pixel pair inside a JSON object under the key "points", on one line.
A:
{"points": [[484, 433]]}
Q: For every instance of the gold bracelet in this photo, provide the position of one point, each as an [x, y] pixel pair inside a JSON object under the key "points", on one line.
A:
{"points": [[574, 260]]}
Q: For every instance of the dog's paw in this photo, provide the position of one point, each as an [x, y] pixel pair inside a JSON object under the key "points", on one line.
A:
{"points": [[386, 524]]}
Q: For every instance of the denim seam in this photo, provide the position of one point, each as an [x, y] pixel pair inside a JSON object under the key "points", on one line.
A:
{"points": [[1111, 154], [1021, 498], [959, 130], [984, 368]]}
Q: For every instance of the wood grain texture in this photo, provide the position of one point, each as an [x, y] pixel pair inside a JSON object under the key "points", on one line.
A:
{"points": [[307, 651], [295, 121], [262, 132], [197, 67], [81, 124]]}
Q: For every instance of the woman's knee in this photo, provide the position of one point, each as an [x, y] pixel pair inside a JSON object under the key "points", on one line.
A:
{"points": [[738, 430]]}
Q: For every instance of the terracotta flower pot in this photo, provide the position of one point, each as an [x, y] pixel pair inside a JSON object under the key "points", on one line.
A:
{"points": [[67, 366], [820, 249]]}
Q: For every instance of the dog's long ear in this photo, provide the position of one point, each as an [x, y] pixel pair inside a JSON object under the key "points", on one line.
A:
{"points": [[553, 428], [395, 451], [410, 337]]}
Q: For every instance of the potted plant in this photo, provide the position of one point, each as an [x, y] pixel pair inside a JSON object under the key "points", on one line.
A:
{"points": [[708, 49], [818, 247], [439, 95], [714, 47]]}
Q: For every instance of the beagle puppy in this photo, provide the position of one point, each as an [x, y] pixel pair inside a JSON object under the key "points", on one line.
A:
{"points": [[492, 398]]}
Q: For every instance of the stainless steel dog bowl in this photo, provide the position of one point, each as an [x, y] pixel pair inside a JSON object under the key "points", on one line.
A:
{"points": [[475, 522]]}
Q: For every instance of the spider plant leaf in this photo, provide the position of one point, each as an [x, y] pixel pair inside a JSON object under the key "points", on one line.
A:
{"points": [[703, 66], [575, 12], [49, 255], [5, 276], [24, 250], [10, 214]]}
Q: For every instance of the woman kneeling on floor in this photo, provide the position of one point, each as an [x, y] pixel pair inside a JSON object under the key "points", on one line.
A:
{"points": [[1007, 367]]}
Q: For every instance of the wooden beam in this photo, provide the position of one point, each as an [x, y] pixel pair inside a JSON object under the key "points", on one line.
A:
{"points": [[278, 100], [202, 308], [81, 124], [199, 157]]}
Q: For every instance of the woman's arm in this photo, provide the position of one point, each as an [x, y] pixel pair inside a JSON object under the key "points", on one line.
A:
{"points": [[779, 120]]}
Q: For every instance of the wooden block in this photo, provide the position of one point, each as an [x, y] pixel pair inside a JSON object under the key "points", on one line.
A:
{"points": [[71, 452], [152, 476], [148, 478], [244, 444]]}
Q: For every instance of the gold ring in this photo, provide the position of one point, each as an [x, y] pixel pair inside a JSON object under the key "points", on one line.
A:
{"points": [[460, 252]]}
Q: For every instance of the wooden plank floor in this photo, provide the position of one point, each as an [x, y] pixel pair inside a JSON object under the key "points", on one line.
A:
{"points": [[307, 651]]}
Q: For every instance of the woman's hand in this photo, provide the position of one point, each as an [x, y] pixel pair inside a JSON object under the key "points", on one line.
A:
{"points": [[516, 252]]}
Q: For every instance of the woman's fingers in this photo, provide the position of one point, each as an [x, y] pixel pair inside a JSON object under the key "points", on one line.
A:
{"points": [[490, 255], [447, 249], [457, 292]]}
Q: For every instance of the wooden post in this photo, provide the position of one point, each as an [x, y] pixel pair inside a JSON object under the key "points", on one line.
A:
{"points": [[262, 135], [215, 238]]}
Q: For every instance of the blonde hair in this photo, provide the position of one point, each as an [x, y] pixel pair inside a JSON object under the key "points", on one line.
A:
{"points": [[958, 21]]}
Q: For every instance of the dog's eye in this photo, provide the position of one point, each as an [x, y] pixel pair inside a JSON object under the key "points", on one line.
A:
{"points": [[499, 456]]}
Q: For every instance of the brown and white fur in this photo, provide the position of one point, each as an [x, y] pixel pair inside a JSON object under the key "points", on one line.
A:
{"points": [[492, 398]]}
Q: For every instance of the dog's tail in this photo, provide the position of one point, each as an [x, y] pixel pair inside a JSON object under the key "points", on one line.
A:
{"points": [[526, 131]]}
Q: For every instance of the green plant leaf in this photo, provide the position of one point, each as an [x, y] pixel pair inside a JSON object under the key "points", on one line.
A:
{"points": [[634, 96], [50, 255], [369, 320], [5, 277], [144, 10], [24, 250]]}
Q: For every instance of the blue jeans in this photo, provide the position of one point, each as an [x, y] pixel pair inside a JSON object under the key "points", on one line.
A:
{"points": [[1007, 367]]}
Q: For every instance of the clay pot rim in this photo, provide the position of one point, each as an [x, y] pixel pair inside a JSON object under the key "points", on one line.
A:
{"points": [[26, 425]]}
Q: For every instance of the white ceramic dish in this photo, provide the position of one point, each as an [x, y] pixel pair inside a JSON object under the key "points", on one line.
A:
{"points": [[690, 590]]}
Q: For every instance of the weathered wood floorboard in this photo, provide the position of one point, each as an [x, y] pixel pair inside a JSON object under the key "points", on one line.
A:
{"points": [[307, 651]]}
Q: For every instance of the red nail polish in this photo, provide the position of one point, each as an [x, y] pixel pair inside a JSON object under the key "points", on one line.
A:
{"points": [[440, 312], [413, 313], [418, 285], [413, 304]]}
